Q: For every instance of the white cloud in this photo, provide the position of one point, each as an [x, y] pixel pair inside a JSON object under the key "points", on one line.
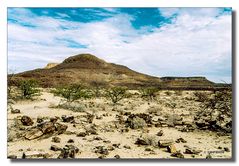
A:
{"points": [[196, 43]]}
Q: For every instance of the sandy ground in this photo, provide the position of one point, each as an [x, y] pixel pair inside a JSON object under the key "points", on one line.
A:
{"points": [[110, 133]]}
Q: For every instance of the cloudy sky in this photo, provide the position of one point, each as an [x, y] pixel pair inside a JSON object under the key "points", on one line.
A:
{"points": [[155, 41]]}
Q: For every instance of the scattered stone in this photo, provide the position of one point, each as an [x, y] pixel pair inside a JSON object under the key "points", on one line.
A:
{"points": [[181, 140], [160, 133], [148, 149], [209, 156], [53, 120], [55, 148], [81, 134], [67, 119], [60, 128], [33, 134], [116, 145], [171, 149], [47, 127], [117, 156], [165, 143], [69, 151], [26, 121], [70, 141], [56, 139], [15, 111], [12, 157], [40, 119], [192, 151], [101, 150], [226, 149], [127, 147], [97, 138], [177, 154]]}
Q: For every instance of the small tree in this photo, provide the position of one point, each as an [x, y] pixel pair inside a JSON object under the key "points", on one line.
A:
{"points": [[29, 89], [116, 94], [72, 92], [149, 93]]}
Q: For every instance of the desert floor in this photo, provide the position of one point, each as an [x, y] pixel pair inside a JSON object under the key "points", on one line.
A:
{"points": [[111, 136]]}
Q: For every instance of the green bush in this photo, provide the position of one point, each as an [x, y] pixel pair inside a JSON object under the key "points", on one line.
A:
{"points": [[72, 92], [116, 94], [149, 93], [29, 89]]}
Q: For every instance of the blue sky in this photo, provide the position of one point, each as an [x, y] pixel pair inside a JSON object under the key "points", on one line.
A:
{"points": [[155, 41]]}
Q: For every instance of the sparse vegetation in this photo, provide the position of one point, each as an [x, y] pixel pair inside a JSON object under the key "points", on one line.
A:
{"points": [[116, 94], [29, 89], [72, 92], [201, 96], [149, 93]]}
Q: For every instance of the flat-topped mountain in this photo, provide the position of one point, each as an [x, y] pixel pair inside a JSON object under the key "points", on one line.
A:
{"points": [[89, 70]]}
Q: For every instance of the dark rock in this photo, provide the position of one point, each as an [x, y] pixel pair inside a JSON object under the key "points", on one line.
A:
{"points": [[47, 127], [141, 141], [12, 157], [56, 139], [69, 151], [81, 134], [227, 149], [97, 138], [116, 145], [67, 119], [192, 151], [117, 156], [181, 140], [26, 121], [53, 120], [127, 147], [60, 128], [55, 148], [208, 156], [160, 133], [101, 150], [177, 154], [70, 141], [15, 111], [40, 119]]}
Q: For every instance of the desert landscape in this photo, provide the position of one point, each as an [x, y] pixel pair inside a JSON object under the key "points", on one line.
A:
{"points": [[85, 107]]}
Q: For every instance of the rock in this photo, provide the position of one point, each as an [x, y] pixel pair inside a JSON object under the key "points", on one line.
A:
{"points": [[127, 147], [171, 149], [192, 151], [26, 121], [56, 139], [47, 127], [101, 150], [81, 134], [160, 133], [67, 119], [53, 120], [55, 148], [40, 119], [70, 141], [181, 140], [177, 154], [117, 156], [148, 149], [165, 143], [97, 138], [12, 157], [33, 134], [15, 111], [141, 141], [136, 121], [69, 151], [226, 149], [60, 128], [208, 156], [116, 145], [35, 155]]}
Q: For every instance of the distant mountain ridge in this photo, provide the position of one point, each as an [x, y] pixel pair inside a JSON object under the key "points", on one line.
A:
{"points": [[90, 70]]}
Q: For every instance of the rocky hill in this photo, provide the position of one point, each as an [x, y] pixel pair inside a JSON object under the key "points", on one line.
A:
{"points": [[89, 70]]}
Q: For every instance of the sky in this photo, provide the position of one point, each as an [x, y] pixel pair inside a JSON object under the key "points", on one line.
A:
{"points": [[155, 41]]}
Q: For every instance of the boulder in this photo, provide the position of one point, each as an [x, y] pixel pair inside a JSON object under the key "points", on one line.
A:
{"points": [[15, 111], [67, 119], [60, 128], [55, 148], [165, 143], [47, 127], [26, 121], [69, 151], [33, 134], [171, 149], [160, 133], [56, 139]]}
